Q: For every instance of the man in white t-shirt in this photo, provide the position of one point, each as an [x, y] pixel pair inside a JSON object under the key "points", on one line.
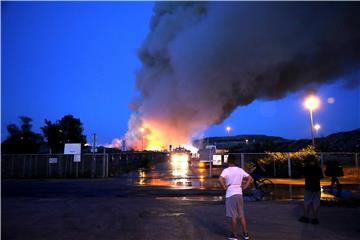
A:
{"points": [[231, 180]]}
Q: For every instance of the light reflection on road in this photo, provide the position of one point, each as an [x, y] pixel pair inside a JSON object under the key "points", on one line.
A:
{"points": [[182, 175], [176, 174]]}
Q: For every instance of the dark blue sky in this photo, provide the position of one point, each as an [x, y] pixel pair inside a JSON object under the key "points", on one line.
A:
{"points": [[80, 58]]}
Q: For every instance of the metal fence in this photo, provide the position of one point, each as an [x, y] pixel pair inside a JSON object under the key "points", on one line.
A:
{"points": [[64, 166], [290, 167], [53, 166], [110, 164]]}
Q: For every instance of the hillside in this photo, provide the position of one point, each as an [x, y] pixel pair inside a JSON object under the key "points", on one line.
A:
{"points": [[337, 142]]}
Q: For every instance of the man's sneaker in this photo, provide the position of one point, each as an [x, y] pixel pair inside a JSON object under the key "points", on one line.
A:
{"points": [[245, 236], [304, 219], [315, 221], [232, 237]]}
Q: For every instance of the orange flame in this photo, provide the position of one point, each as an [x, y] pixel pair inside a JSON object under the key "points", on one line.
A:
{"points": [[155, 135], [152, 138]]}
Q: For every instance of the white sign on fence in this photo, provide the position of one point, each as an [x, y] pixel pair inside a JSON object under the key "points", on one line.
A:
{"points": [[72, 148], [77, 158], [216, 160], [53, 160]]}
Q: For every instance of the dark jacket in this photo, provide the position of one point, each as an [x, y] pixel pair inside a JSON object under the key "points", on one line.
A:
{"points": [[313, 174]]}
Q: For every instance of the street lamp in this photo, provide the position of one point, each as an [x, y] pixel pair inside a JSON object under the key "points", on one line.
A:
{"points": [[142, 138], [312, 103], [228, 129], [317, 128]]}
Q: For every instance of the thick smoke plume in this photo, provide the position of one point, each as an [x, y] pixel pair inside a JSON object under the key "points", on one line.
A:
{"points": [[200, 61]]}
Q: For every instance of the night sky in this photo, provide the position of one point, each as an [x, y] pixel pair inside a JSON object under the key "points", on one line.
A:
{"points": [[80, 59]]}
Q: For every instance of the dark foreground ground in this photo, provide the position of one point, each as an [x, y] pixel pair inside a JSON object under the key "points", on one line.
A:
{"points": [[108, 209]]}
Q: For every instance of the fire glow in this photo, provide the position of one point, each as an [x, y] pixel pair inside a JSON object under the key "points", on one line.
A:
{"points": [[149, 138]]}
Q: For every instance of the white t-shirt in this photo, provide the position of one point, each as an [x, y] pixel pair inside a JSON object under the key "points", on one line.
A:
{"points": [[233, 180]]}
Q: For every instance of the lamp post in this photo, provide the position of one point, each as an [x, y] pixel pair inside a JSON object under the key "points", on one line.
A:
{"points": [[228, 129], [312, 103], [142, 138], [317, 128]]}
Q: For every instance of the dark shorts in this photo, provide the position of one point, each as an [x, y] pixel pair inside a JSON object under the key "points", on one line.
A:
{"points": [[234, 206], [312, 198]]}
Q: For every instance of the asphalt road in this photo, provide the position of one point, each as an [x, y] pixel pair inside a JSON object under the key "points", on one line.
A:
{"points": [[157, 203]]}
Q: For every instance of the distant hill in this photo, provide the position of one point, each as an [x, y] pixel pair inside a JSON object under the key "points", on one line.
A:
{"points": [[337, 142]]}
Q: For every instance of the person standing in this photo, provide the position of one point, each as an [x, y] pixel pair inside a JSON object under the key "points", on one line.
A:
{"points": [[334, 170], [312, 173], [231, 180]]}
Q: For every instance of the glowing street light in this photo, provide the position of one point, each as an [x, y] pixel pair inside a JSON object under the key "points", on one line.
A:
{"points": [[228, 129], [312, 103], [142, 138], [317, 128]]}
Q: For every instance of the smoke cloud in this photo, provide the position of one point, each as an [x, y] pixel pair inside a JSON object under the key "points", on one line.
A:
{"points": [[201, 60]]}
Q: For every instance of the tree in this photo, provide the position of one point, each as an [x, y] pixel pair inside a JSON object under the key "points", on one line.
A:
{"points": [[67, 130], [22, 140], [52, 132]]}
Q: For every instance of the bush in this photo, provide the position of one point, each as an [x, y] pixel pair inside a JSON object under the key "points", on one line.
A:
{"points": [[281, 162]]}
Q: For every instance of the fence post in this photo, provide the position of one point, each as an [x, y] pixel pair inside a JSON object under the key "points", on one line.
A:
{"points": [[24, 165], [36, 166], [274, 167], [107, 165], [77, 169], [93, 163], [48, 168], [60, 159], [357, 165], [12, 167], [242, 161], [103, 164], [321, 160], [30, 166], [71, 164], [289, 165], [65, 165], [82, 165]]}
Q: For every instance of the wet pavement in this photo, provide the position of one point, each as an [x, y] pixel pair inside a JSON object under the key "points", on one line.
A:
{"points": [[166, 201], [194, 176]]}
